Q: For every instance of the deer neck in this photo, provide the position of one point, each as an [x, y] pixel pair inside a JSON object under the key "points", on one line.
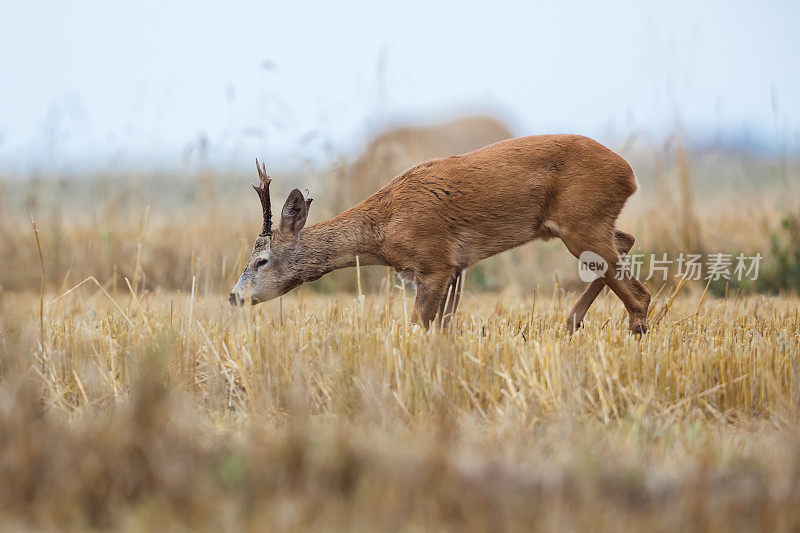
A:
{"points": [[335, 244]]}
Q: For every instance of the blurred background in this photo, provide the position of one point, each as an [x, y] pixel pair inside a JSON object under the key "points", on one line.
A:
{"points": [[129, 129]]}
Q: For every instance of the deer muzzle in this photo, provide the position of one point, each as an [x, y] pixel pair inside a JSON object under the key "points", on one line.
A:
{"points": [[235, 299]]}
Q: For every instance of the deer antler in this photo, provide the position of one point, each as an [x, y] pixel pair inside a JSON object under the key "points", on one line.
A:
{"points": [[263, 195]]}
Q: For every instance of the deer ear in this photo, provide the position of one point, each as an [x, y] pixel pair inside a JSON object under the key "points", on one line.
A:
{"points": [[295, 212]]}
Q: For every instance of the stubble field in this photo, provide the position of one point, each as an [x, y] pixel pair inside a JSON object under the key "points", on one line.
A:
{"points": [[331, 412]]}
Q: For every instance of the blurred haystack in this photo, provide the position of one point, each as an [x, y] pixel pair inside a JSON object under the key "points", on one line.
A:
{"points": [[396, 149]]}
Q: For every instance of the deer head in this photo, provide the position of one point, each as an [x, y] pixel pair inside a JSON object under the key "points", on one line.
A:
{"points": [[272, 269]]}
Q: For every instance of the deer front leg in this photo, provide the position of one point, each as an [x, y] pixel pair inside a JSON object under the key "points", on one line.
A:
{"points": [[430, 291]]}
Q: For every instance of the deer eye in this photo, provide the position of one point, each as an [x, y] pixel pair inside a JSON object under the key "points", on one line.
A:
{"points": [[260, 263]]}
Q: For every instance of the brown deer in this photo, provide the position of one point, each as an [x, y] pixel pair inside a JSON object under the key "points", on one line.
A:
{"points": [[440, 217]]}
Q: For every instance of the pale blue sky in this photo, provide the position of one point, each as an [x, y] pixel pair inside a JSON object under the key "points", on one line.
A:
{"points": [[110, 84]]}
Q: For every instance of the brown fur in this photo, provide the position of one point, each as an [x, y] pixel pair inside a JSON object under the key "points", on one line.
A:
{"points": [[445, 215]]}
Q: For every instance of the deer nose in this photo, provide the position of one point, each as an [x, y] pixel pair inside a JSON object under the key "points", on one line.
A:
{"points": [[233, 299]]}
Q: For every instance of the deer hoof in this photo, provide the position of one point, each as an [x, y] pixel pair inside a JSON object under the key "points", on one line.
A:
{"points": [[573, 326], [639, 328]]}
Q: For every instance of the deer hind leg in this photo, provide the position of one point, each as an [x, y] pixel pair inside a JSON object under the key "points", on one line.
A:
{"points": [[430, 293], [619, 279], [623, 243], [451, 298]]}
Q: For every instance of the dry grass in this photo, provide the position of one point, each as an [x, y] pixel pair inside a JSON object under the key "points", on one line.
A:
{"points": [[142, 400], [734, 357], [329, 412]]}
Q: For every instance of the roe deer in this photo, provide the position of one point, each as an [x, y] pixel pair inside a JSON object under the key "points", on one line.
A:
{"points": [[443, 216]]}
